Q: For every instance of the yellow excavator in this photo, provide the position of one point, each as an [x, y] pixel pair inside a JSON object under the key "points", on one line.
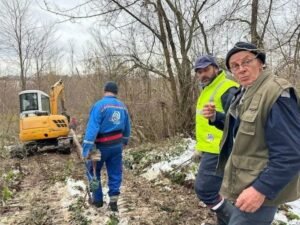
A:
{"points": [[41, 126]]}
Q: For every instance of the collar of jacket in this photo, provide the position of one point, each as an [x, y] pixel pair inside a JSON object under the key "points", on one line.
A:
{"points": [[250, 91], [109, 96]]}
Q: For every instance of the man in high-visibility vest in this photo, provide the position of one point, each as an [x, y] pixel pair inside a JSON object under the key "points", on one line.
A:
{"points": [[217, 91]]}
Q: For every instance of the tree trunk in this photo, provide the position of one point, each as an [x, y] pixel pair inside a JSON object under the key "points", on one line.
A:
{"points": [[254, 14]]}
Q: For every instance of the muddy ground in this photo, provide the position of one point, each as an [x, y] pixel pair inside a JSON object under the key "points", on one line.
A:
{"points": [[37, 191]]}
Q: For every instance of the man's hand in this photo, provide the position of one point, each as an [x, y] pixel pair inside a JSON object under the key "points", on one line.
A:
{"points": [[209, 111], [94, 155], [86, 147], [196, 156], [250, 200]]}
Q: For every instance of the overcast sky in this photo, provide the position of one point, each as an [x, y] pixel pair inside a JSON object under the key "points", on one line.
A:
{"points": [[76, 30]]}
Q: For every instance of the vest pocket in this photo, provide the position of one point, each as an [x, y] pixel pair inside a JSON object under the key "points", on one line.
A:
{"points": [[245, 170], [247, 125], [248, 118]]}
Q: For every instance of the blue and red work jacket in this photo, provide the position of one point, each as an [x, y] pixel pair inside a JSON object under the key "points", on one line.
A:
{"points": [[108, 125]]}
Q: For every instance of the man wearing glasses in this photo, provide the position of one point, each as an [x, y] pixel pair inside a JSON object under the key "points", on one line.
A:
{"points": [[260, 153]]}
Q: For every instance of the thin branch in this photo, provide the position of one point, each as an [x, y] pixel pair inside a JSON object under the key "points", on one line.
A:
{"points": [[64, 13], [137, 18], [240, 20], [266, 23]]}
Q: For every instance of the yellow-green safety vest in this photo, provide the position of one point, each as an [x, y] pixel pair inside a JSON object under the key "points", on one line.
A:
{"points": [[208, 137]]}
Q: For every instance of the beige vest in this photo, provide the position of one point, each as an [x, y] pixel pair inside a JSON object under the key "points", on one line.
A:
{"points": [[250, 153]]}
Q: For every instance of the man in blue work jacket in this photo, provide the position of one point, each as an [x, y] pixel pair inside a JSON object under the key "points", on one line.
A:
{"points": [[108, 128]]}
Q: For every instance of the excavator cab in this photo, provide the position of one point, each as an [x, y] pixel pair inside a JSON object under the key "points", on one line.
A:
{"points": [[34, 102]]}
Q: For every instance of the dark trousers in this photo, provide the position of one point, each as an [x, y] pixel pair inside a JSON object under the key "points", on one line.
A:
{"points": [[263, 216], [208, 183], [112, 157]]}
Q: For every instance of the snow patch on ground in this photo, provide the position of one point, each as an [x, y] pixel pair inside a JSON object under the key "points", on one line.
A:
{"points": [[280, 217], [165, 166], [74, 187], [169, 165], [295, 208]]}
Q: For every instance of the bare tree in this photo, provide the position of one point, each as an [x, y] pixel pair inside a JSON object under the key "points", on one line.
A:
{"points": [[16, 33], [163, 37], [249, 17], [284, 39], [167, 29], [25, 40], [71, 48], [42, 50]]}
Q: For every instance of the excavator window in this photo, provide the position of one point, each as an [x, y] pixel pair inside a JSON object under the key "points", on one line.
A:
{"points": [[29, 101], [45, 103]]}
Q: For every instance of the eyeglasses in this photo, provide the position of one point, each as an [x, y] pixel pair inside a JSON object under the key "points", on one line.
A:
{"points": [[235, 67]]}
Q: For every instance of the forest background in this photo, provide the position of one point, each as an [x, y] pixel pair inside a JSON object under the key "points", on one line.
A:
{"points": [[147, 46]]}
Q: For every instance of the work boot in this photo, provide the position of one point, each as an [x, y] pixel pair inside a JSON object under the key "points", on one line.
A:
{"points": [[224, 212], [113, 206], [98, 204]]}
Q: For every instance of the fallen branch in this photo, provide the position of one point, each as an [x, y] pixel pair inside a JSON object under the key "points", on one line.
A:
{"points": [[78, 147], [185, 163]]}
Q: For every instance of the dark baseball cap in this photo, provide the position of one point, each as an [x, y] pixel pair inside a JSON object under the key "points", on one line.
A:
{"points": [[204, 61]]}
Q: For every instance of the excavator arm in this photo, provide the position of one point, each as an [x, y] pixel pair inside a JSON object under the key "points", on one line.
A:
{"points": [[57, 90]]}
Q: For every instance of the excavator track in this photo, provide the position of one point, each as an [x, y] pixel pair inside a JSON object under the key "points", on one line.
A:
{"points": [[61, 145]]}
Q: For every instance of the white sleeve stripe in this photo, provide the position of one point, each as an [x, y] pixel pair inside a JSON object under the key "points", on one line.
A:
{"points": [[88, 142]]}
